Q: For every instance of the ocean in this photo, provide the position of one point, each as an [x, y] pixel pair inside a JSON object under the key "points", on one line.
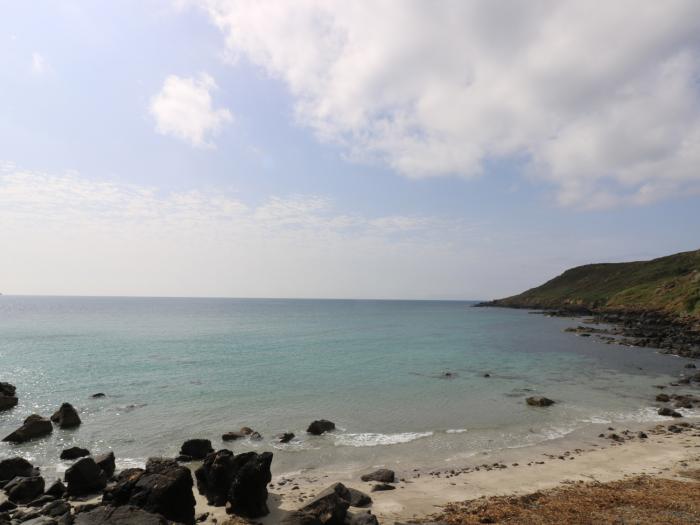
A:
{"points": [[174, 369]]}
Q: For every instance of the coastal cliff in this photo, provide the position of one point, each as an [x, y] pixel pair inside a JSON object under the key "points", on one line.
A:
{"points": [[668, 285]]}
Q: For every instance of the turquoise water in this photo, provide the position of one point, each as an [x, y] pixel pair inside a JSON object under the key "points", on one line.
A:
{"points": [[174, 369]]}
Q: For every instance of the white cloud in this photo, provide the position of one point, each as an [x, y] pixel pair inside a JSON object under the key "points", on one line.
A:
{"points": [[39, 65], [601, 99], [68, 234], [183, 108]]}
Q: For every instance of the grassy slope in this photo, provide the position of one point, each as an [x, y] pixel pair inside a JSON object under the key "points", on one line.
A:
{"points": [[670, 284]]}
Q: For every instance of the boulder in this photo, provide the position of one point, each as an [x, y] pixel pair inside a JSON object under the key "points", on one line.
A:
{"points": [[165, 488], [41, 501], [286, 437], [98, 395], [124, 515], [328, 508], [665, 411], [354, 497], [57, 489], [106, 463], [196, 448], [13, 467], [56, 508], [539, 401], [379, 487], [248, 492], [41, 520], [85, 477], [663, 398], [8, 402], [74, 453], [34, 426], [6, 389], [66, 416], [362, 518], [24, 490], [215, 476], [320, 426], [382, 475]]}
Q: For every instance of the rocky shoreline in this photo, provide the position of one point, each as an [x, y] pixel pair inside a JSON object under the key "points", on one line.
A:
{"points": [[647, 329]]}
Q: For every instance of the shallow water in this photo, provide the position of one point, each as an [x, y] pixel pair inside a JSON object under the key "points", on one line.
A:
{"points": [[174, 369]]}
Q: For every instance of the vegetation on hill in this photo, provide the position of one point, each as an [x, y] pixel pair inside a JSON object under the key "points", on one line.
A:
{"points": [[668, 284]]}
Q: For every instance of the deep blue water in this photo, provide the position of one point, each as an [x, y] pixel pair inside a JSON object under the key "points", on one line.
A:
{"points": [[179, 368]]}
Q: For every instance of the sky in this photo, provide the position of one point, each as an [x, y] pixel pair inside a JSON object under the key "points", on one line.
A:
{"points": [[368, 149]]}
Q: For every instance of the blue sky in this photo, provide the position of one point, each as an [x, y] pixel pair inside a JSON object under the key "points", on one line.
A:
{"points": [[334, 157]]}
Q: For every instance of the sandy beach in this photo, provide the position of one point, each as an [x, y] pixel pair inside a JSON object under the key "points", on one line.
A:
{"points": [[422, 493]]}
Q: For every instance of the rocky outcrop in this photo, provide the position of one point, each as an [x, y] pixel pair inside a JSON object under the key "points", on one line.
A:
{"points": [[354, 497], [665, 411], [8, 399], [13, 467], [85, 477], [328, 508], [362, 518], [74, 453], [23, 490], [66, 416], [165, 488], [539, 401], [34, 427], [320, 426], [196, 448], [382, 475], [125, 515], [239, 481]]}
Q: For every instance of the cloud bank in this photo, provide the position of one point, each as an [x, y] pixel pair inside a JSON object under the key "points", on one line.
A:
{"points": [[183, 108], [600, 100]]}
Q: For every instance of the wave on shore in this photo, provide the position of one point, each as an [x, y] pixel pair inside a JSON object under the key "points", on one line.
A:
{"points": [[370, 439]]}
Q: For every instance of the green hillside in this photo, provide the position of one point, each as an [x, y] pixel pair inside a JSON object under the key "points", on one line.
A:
{"points": [[670, 284]]}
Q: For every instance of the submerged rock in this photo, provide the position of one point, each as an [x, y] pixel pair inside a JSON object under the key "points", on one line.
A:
{"points": [[539, 401], [320, 426], [8, 399], [382, 475], [665, 411], [74, 453], [34, 426], [66, 416], [286, 437], [196, 448]]}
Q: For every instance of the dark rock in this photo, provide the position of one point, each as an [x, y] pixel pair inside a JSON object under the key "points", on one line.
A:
{"points": [[362, 518], [7, 505], [106, 463], [232, 436], [215, 476], [56, 508], [163, 488], [286, 437], [34, 426], [57, 489], [256, 436], [41, 520], [41, 501], [665, 411], [66, 416], [248, 492], [196, 448], [8, 402], [74, 453], [24, 490], [689, 365], [320, 426], [642, 435], [98, 395], [382, 475], [327, 508], [382, 486], [124, 515], [539, 401], [487, 375], [13, 467], [85, 477], [6, 389], [663, 398], [354, 497]]}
